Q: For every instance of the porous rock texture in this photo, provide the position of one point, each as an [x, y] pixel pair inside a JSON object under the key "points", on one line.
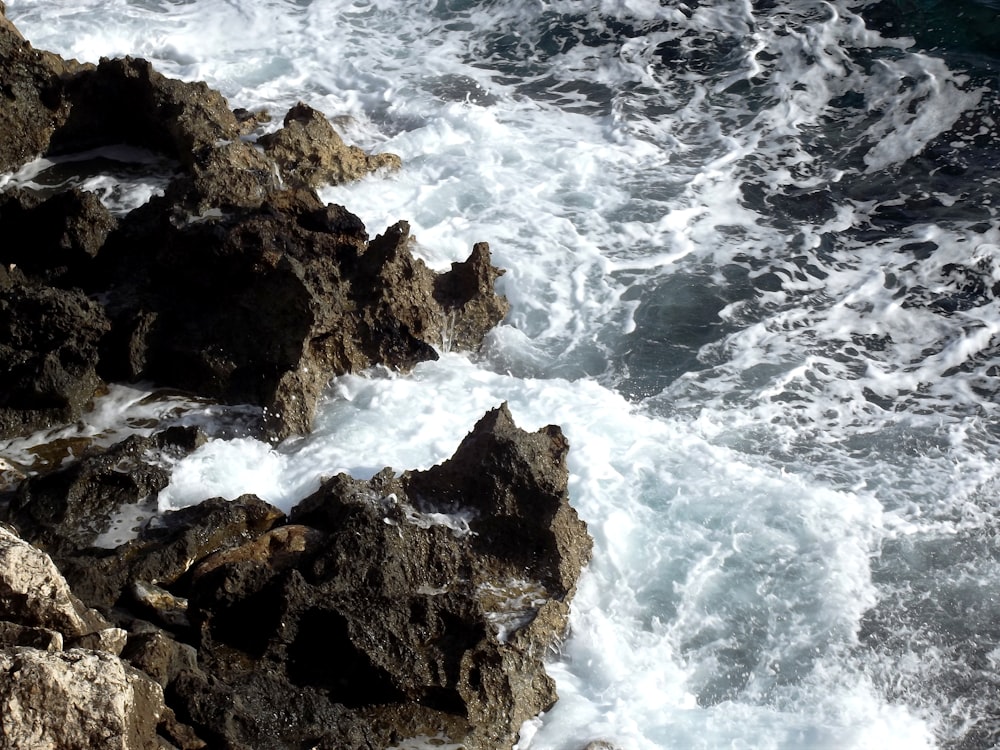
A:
{"points": [[233, 284], [310, 153], [418, 604], [421, 604], [75, 700], [264, 305]]}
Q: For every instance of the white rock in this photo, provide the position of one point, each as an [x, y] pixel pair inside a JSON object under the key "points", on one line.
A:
{"points": [[75, 700]]}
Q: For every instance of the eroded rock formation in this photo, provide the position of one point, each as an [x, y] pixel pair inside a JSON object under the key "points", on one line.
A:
{"points": [[62, 684], [380, 610], [410, 605], [232, 285]]}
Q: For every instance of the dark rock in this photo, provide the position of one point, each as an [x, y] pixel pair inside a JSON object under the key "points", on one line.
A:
{"points": [[66, 509], [49, 341], [31, 85], [167, 550], [54, 239], [126, 101], [13, 634], [179, 735], [265, 306], [466, 294], [310, 153], [229, 285], [425, 606], [109, 640], [160, 656]]}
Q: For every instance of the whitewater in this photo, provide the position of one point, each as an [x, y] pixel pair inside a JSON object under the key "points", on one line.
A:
{"points": [[752, 251]]}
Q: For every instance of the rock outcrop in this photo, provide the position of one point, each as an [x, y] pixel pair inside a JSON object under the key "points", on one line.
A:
{"points": [[310, 154], [401, 606], [238, 284], [264, 305], [414, 605]]}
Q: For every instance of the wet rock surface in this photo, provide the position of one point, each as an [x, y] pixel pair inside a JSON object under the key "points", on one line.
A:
{"points": [[263, 306], [310, 153], [418, 604], [421, 604]]}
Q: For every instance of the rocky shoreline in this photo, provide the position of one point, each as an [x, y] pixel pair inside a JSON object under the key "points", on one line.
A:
{"points": [[419, 604]]}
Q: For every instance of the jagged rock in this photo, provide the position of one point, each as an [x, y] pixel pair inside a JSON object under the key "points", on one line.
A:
{"points": [[31, 85], [53, 239], [125, 100], [49, 339], [228, 285], [264, 306], [75, 700], [310, 153], [466, 294], [66, 509], [413, 613]]}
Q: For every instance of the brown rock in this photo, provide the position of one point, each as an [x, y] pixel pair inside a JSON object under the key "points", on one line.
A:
{"points": [[109, 640], [160, 656], [166, 551], [12, 634], [277, 550], [310, 153]]}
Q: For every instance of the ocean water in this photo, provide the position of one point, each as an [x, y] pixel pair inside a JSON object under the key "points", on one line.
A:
{"points": [[753, 257]]}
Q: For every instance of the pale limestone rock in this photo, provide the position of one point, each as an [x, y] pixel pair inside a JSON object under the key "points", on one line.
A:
{"points": [[33, 591], [75, 700]]}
